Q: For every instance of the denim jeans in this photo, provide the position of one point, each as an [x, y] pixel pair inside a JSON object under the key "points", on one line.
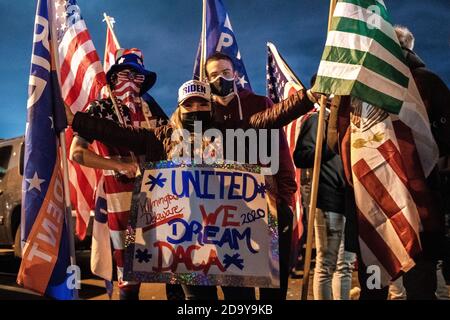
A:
{"points": [[334, 265]]}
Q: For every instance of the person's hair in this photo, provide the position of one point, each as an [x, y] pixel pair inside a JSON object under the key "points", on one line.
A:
{"points": [[216, 56], [405, 37], [175, 119], [176, 123]]}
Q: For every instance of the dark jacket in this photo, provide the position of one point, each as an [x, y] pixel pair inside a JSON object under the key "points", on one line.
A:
{"points": [[258, 113], [436, 97], [155, 144], [331, 191]]}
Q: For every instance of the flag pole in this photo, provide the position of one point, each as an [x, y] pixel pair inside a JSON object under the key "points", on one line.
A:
{"points": [[110, 26], [108, 87], [65, 167], [315, 180], [203, 42]]}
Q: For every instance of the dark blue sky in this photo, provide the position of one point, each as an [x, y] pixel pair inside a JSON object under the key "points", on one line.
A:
{"points": [[167, 31]]}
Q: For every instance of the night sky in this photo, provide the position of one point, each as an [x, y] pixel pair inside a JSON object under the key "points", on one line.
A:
{"points": [[168, 31]]}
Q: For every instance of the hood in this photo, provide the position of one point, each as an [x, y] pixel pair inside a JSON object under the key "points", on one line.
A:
{"points": [[413, 61]]}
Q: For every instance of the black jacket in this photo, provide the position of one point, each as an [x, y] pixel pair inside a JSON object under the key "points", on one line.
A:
{"points": [[331, 193], [436, 97]]}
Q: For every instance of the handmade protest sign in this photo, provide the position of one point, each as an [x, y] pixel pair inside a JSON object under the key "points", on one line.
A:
{"points": [[202, 225]]}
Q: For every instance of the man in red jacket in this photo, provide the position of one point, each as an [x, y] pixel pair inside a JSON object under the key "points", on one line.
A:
{"points": [[234, 108]]}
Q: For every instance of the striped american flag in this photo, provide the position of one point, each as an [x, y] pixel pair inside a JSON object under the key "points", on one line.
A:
{"points": [[392, 149], [111, 46], [81, 78], [282, 82]]}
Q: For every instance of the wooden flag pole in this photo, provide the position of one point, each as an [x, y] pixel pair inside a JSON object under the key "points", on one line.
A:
{"points": [[313, 201], [203, 43], [315, 181], [108, 87], [110, 26]]}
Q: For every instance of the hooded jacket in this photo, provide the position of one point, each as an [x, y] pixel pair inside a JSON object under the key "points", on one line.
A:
{"points": [[257, 112]]}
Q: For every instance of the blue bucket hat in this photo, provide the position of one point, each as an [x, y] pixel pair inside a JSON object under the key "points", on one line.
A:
{"points": [[132, 59]]}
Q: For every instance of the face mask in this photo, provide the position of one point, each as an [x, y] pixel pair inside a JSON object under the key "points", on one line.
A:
{"points": [[188, 119], [222, 87], [128, 87]]}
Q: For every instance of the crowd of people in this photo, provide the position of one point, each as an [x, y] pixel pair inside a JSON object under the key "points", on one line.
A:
{"points": [[122, 123]]}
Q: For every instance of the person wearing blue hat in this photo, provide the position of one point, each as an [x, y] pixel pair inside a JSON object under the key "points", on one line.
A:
{"points": [[128, 104]]}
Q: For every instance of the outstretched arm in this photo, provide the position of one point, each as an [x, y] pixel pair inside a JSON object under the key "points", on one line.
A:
{"points": [[283, 113], [138, 140]]}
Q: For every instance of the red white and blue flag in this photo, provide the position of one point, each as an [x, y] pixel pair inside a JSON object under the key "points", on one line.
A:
{"points": [[82, 78], [281, 83], [45, 235], [220, 38]]}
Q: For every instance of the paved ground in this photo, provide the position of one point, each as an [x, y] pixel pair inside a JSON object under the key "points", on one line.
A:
{"points": [[93, 287]]}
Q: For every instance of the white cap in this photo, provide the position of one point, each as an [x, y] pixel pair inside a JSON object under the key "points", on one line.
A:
{"points": [[194, 88]]}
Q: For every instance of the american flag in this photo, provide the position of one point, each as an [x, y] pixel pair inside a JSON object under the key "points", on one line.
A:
{"points": [[82, 78], [282, 82], [111, 47]]}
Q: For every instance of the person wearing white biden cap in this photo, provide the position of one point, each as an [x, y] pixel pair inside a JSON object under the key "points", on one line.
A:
{"points": [[194, 104]]}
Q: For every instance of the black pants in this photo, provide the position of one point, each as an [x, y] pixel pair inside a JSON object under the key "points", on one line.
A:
{"points": [[285, 217], [174, 292], [420, 282]]}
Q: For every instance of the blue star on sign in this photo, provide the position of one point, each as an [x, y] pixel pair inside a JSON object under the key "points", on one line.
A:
{"points": [[143, 256], [158, 181], [262, 189], [227, 261]]}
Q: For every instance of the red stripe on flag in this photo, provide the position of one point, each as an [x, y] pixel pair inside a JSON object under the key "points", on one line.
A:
{"points": [[76, 42], [119, 255], [83, 183], [76, 88], [377, 245], [391, 154], [118, 221], [97, 85], [114, 186], [381, 196], [426, 204]]}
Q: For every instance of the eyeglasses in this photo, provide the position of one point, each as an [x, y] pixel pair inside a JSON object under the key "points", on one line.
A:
{"points": [[130, 75]]}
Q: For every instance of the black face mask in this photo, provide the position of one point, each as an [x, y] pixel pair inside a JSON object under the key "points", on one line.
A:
{"points": [[188, 119], [222, 87]]}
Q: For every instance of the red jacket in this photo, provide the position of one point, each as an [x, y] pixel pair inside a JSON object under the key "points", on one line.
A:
{"points": [[252, 104]]}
